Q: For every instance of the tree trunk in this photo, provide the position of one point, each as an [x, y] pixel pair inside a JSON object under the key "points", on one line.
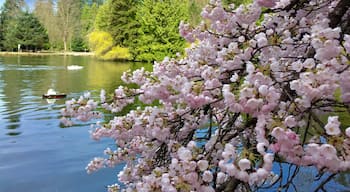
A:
{"points": [[65, 41], [340, 15]]}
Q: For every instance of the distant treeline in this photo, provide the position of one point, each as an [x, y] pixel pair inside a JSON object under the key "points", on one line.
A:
{"points": [[143, 30]]}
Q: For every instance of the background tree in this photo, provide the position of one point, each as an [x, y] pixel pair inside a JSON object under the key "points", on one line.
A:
{"points": [[158, 33], [195, 8], [10, 10], [102, 44], [104, 14], [45, 12], [68, 20], [118, 18], [124, 25], [29, 33], [87, 19]]}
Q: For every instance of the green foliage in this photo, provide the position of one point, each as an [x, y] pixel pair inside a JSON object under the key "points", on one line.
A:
{"points": [[117, 53], [78, 44], [102, 44], [27, 31], [195, 9], [124, 25], [158, 35], [119, 19], [104, 14], [9, 12], [87, 19], [88, 16]]}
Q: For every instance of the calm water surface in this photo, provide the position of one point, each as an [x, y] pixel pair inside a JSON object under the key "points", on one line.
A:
{"points": [[36, 153]]}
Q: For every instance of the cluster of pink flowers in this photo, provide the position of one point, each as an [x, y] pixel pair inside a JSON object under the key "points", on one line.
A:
{"points": [[257, 84], [83, 109]]}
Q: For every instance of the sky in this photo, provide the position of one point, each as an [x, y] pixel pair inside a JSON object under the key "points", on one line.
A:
{"points": [[28, 2]]}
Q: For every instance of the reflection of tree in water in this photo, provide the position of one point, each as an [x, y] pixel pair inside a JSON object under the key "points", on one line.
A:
{"points": [[12, 97], [344, 179], [37, 74], [14, 122], [301, 179], [21, 75], [304, 179]]}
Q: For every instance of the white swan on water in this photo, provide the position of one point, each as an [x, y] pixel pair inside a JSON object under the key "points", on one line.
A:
{"points": [[51, 92], [74, 67]]}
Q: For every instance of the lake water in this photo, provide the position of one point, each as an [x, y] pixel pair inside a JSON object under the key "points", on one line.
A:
{"points": [[36, 153]]}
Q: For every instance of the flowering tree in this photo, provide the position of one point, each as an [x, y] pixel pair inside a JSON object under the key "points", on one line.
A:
{"points": [[261, 84]]}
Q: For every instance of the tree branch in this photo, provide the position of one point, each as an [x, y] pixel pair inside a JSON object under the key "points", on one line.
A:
{"points": [[337, 14]]}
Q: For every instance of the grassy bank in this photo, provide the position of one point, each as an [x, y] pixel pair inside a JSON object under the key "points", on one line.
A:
{"points": [[48, 53]]}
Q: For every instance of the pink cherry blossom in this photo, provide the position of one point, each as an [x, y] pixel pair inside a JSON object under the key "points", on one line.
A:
{"points": [[207, 176], [244, 164], [267, 3], [332, 127], [250, 92], [290, 121], [202, 165], [184, 154]]}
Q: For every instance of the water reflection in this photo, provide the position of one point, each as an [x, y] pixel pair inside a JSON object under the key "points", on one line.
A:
{"points": [[26, 78], [36, 154], [11, 100]]}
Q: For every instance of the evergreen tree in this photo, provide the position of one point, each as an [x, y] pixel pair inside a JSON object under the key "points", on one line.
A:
{"points": [[10, 10], [28, 32], [104, 14], [118, 18], [158, 35], [78, 44], [88, 16], [124, 25]]}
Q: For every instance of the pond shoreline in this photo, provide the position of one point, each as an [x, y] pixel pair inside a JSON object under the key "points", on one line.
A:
{"points": [[47, 53]]}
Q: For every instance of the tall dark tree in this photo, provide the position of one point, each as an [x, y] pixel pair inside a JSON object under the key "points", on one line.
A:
{"points": [[103, 17], [9, 12], [27, 32], [124, 26], [119, 19]]}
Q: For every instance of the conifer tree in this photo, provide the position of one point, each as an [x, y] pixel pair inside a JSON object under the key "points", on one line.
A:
{"points": [[123, 24], [27, 32], [9, 12], [158, 35]]}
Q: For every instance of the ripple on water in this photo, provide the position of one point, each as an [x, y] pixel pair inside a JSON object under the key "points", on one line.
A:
{"points": [[30, 67]]}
